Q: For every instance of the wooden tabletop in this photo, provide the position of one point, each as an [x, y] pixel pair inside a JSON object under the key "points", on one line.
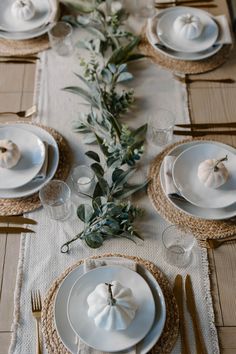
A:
{"points": [[208, 102]]}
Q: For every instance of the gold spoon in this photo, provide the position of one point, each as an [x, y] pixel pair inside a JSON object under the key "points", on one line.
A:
{"points": [[22, 114], [217, 243]]}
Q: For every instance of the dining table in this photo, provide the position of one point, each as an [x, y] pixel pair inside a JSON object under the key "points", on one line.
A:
{"points": [[24, 84]]}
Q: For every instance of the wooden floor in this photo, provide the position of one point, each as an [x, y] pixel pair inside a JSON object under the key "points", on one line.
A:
{"points": [[209, 102]]}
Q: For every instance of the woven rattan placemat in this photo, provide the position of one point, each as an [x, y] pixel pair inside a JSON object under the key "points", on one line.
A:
{"points": [[26, 47], [184, 66], [201, 228], [22, 205], [169, 335]]}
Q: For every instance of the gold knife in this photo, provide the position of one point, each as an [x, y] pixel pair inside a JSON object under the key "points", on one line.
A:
{"points": [[14, 230], [207, 125], [192, 309], [181, 2], [17, 220], [178, 292], [202, 133]]}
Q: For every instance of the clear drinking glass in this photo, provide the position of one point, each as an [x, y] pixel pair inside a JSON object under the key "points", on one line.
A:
{"points": [[177, 246], [160, 127], [60, 37], [55, 197], [83, 179]]}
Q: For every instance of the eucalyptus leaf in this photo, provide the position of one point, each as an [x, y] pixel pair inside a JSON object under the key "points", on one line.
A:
{"points": [[94, 240], [128, 191], [106, 75], [85, 212], [93, 155], [83, 93], [97, 169], [125, 76], [79, 5]]}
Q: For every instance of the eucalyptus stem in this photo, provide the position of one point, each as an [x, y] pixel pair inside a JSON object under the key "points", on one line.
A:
{"points": [[111, 299], [65, 248], [216, 168]]}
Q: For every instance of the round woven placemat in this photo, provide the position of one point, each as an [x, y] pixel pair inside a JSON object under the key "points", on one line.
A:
{"points": [[25, 47], [169, 335], [22, 205], [201, 228], [184, 66]]}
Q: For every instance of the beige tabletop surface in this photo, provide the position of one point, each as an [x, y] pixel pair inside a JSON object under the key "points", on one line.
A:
{"points": [[208, 102]]}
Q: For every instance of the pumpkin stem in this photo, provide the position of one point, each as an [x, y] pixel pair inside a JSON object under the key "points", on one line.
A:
{"points": [[2, 149], [111, 300], [216, 168]]}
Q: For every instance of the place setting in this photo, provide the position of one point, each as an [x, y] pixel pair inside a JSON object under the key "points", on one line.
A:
{"points": [[31, 156], [114, 294], [187, 39]]}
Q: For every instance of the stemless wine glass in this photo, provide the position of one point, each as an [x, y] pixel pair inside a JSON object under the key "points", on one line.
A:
{"points": [[60, 37], [160, 127], [177, 246], [55, 197]]}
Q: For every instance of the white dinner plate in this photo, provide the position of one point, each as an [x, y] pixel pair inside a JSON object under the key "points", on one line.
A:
{"points": [[185, 176], [9, 23], [173, 40], [26, 35], [189, 208], [32, 151], [180, 55], [66, 333], [53, 160], [84, 326]]}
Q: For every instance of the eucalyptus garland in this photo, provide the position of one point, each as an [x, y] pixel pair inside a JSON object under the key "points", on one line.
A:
{"points": [[111, 213]]}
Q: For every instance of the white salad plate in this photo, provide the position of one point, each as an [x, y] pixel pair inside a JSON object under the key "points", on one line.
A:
{"points": [[26, 35], [177, 54], [68, 336], [84, 326], [9, 23], [189, 208], [170, 38], [32, 151], [185, 176], [53, 159]]}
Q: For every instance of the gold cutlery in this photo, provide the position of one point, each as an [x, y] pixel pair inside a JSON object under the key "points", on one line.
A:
{"points": [[178, 2], [203, 133], [14, 230], [23, 114], [207, 125], [36, 307], [178, 292], [19, 59], [187, 80], [163, 6], [17, 220], [192, 309], [217, 243]]}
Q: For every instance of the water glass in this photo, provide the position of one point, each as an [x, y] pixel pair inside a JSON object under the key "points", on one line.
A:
{"points": [[55, 197], [83, 179], [177, 246], [60, 37], [160, 127]]}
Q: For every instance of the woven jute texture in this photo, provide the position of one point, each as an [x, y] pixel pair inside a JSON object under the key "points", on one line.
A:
{"points": [[170, 332], [22, 205], [25, 47], [201, 228], [184, 66]]}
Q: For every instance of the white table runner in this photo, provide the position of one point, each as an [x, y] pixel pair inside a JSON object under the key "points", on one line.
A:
{"points": [[40, 258]]}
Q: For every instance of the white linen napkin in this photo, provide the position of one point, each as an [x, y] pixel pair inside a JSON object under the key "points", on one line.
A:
{"points": [[90, 264], [43, 172], [169, 186], [224, 30]]}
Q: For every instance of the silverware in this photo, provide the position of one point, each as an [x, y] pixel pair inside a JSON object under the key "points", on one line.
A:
{"points": [[178, 292], [14, 230], [187, 80], [17, 220], [178, 2], [207, 125], [36, 307], [217, 243], [192, 309], [163, 6], [23, 114], [203, 133], [19, 59]]}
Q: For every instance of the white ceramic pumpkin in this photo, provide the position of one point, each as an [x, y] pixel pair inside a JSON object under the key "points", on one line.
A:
{"points": [[23, 9], [9, 154], [213, 173], [112, 306], [188, 26]]}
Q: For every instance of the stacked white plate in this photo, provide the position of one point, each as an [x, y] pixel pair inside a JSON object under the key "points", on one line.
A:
{"points": [[72, 321], [166, 40], [199, 200], [14, 28], [25, 178]]}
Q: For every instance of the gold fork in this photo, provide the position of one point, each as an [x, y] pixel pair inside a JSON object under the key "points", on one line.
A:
{"points": [[217, 243], [187, 80], [36, 307], [23, 114]]}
